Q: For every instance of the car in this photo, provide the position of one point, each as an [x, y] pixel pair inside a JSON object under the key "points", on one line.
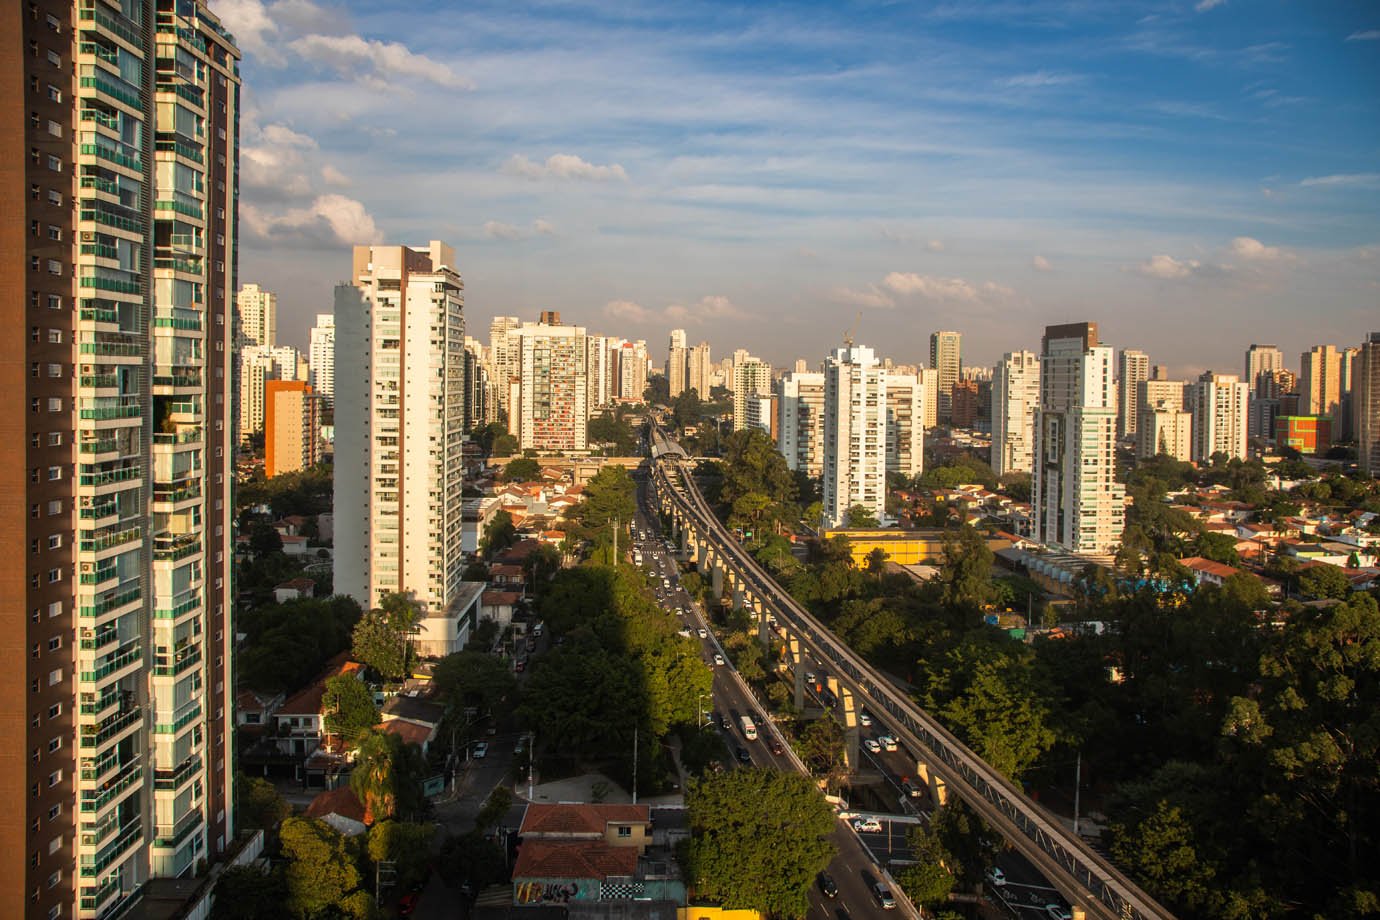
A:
{"points": [[910, 789], [883, 896], [809, 677], [1058, 912], [407, 904], [702, 632], [521, 746], [995, 877], [718, 660], [481, 750], [867, 825], [743, 756], [888, 742], [827, 885], [777, 747], [520, 665], [536, 630], [872, 746], [864, 719]]}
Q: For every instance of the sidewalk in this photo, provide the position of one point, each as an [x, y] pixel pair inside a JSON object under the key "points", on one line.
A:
{"points": [[585, 789]]}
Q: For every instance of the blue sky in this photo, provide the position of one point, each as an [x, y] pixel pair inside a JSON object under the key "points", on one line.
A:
{"points": [[1193, 176]]}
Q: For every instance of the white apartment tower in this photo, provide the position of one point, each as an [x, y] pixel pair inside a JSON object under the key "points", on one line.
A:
{"points": [[1015, 397], [751, 377], [905, 424], [946, 358], [258, 315], [631, 371], [321, 356], [1219, 405], [399, 425], [553, 413], [855, 434], [699, 370], [800, 421], [1163, 425], [1133, 366], [1262, 361], [1078, 503]]}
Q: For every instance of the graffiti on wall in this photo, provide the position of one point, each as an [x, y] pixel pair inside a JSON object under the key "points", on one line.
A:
{"points": [[546, 892]]}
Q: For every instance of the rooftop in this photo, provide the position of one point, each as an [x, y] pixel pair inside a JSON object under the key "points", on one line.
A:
{"points": [[591, 859], [580, 817]]}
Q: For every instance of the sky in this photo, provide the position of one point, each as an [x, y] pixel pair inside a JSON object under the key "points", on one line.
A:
{"points": [[1194, 176]]}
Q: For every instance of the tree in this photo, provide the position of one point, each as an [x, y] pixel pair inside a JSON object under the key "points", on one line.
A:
{"points": [[1323, 580], [860, 517], [966, 575], [758, 839], [876, 562], [523, 469], [609, 498], [264, 540], [260, 805], [321, 869], [473, 860], [1160, 853], [249, 893], [499, 533], [758, 488], [374, 777], [928, 882], [972, 844], [821, 748], [505, 445], [381, 639], [349, 707], [407, 846], [286, 645], [473, 679], [610, 428]]}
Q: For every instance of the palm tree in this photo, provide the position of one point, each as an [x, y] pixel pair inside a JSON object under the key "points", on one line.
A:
{"points": [[374, 778]]}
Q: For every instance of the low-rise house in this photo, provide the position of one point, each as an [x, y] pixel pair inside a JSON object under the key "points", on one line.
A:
{"points": [[293, 590], [255, 710], [1206, 571], [300, 721], [294, 545], [499, 606], [341, 809], [507, 574]]}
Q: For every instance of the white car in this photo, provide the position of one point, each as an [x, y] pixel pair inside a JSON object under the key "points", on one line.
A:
{"points": [[995, 877], [809, 677], [867, 825], [872, 746], [718, 660], [703, 633], [889, 742], [864, 720], [481, 750], [1058, 912]]}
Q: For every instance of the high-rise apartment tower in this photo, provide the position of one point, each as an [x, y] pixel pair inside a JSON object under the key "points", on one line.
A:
{"points": [[1132, 367], [321, 356], [258, 315], [855, 435], [947, 359], [1015, 397]]}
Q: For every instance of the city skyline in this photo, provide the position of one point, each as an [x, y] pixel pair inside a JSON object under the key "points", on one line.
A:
{"points": [[757, 177]]}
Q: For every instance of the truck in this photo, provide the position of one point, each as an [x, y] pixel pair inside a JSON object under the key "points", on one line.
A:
{"points": [[748, 726]]}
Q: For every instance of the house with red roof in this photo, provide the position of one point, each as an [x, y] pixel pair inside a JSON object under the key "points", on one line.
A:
{"points": [[341, 809]]}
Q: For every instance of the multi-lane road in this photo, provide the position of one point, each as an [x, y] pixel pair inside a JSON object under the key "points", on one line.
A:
{"points": [[852, 869]]}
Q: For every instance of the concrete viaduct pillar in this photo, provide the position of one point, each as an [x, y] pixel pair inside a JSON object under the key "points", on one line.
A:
{"points": [[797, 671], [848, 710], [716, 576], [939, 790]]}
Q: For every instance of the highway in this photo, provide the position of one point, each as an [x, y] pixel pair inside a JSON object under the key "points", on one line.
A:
{"points": [[1082, 875], [852, 869]]}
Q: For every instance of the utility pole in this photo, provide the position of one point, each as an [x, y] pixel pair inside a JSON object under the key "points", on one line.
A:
{"points": [[1077, 786], [634, 784], [531, 758]]}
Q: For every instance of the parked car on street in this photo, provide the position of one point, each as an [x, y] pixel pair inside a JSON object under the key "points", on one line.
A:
{"points": [[867, 825]]}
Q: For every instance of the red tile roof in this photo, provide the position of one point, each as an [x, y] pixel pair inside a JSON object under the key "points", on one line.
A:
{"points": [[342, 801], [1199, 564], [580, 818], [307, 701], [409, 732], [494, 598], [589, 859]]}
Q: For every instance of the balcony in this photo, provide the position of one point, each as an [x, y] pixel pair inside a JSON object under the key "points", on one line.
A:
{"points": [[189, 435], [176, 494], [165, 780], [110, 477], [130, 834], [183, 660], [100, 639], [181, 604], [114, 90], [98, 541], [99, 575], [128, 654], [94, 736], [167, 145], [111, 601], [94, 708], [95, 800], [169, 837], [172, 728], [94, 768], [174, 548], [117, 25], [113, 349]]}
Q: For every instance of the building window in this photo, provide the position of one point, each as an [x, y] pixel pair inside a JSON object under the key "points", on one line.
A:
{"points": [[55, 541], [55, 744], [54, 93], [54, 336], [54, 232], [624, 831], [55, 609], [54, 128], [54, 267], [54, 576], [54, 438], [54, 710], [54, 811], [54, 403], [54, 196], [54, 371], [54, 473], [54, 58], [54, 778], [54, 301], [54, 163]]}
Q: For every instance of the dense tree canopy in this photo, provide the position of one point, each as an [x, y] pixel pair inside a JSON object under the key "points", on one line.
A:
{"points": [[759, 838], [287, 644], [523, 469], [349, 707], [758, 489], [321, 870], [382, 638]]}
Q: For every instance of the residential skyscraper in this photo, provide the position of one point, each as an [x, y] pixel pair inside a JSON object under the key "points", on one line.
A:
{"points": [[800, 421], [751, 377], [503, 365], [1219, 405], [632, 371], [258, 315], [321, 356], [553, 413], [117, 231], [1262, 361], [946, 358], [677, 363], [1015, 397], [1078, 503], [700, 371], [1365, 395], [1163, 426], [399, 425], [1133, 366], [1320, 381], [478, 392], [855, 434], [905, 424], [599, 372], [929, 378], [292, 424]]}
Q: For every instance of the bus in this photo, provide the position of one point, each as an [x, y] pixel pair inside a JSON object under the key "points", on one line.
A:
{"points": [[749, 727]]}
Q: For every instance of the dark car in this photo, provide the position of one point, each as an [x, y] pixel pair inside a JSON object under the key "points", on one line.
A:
{"points": [[827, 885], [744, 756], [776, 747], [408, 904]]}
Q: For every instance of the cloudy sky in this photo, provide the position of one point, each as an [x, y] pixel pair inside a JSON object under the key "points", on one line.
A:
{"points": [[1193, 176]]}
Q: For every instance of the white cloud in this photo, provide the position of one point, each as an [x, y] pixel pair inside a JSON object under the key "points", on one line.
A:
{"points": [[712, 307], [250, 22], [627, 311], [1357, 180], [1041, 264], [498, 230], [1042, 78], [330, 221], [1370, 35], [373, 61], [1168, 267], [543, 227], [1252, 250], [563, 166], [1203, 6], [332, 176], [930, 287], [872, 298], [260, 28], [282, 136]]}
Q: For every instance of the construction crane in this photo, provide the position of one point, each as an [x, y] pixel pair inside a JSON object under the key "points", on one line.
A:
{"points": [[848, 335]]}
